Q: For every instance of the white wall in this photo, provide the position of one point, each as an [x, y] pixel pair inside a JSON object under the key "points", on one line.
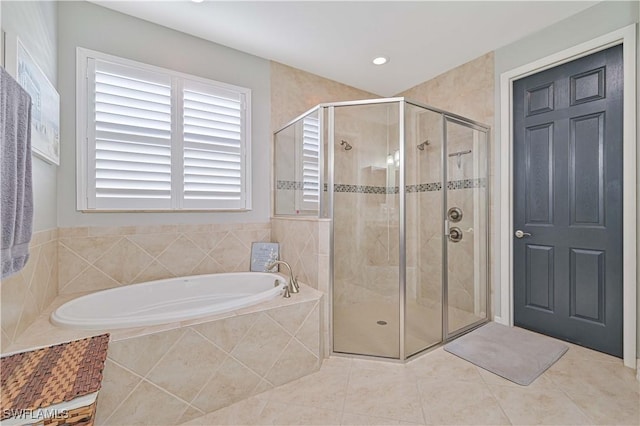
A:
{"points": [[87, 25], [600, 19], [35, 23]]}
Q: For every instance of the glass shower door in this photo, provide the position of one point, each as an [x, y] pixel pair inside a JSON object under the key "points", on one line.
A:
{"points": [[423, 228], [365, 291], [466, 219]]}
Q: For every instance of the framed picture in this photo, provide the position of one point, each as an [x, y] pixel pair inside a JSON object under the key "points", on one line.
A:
{"points": [[262, 254], [45, 104]]}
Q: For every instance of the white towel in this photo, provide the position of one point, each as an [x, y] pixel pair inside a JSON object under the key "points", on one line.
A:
{"points": [[16, 197]]}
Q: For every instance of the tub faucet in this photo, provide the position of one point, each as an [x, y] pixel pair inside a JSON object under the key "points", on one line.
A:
{"points": [[293, 283]]}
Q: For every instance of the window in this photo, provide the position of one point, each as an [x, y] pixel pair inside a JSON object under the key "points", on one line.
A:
{"points": [[155, 139], [310, 161]]}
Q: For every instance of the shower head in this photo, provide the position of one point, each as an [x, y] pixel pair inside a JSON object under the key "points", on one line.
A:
{"points": [[423, 144], [346, 145]]}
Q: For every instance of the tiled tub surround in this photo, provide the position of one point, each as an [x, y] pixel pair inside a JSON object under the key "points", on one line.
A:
{"points": [[171, 373], [26, 294], [304, 243], [103, 257]]}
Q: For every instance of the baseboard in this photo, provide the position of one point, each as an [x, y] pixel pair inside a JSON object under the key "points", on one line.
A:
{"points": [[499, 320]]}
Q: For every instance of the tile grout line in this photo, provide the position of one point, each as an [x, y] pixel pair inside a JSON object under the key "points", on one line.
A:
{"points": [[565, 393], [493, 395], [146, 379], [115, 409]]}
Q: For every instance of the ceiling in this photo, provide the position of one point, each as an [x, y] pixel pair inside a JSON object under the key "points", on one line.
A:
{"points": [[339, 39]]}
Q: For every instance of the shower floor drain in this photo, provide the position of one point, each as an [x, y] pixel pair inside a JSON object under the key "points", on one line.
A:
{"points": [[381, 322]]}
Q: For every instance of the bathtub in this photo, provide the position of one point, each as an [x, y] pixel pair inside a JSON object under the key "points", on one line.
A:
{"points": [[168, 300]]}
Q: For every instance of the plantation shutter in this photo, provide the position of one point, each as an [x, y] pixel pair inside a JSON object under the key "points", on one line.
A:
{"points": [[156, 139], [310, 157], [132, 135], [214, 133]]}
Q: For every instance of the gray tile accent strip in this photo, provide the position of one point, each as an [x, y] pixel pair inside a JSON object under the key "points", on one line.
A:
{"points": [[370, 189]]}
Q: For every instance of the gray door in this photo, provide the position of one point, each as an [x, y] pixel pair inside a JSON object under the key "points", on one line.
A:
{"points": [[568, 196]]}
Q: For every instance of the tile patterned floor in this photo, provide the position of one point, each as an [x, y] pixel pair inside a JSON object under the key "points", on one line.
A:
{"points": [[583, 387]]}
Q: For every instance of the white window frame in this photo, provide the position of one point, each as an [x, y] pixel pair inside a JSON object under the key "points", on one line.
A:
{"points": [[84, 131]]}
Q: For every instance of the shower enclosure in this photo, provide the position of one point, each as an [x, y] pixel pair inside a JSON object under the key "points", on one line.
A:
{"points": [[405, 187]]}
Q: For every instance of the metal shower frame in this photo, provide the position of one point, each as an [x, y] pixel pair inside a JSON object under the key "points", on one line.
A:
{"points": [[447, 117]]}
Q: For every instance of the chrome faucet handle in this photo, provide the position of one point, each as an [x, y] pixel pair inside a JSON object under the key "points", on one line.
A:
{"points": [[293, 283]]}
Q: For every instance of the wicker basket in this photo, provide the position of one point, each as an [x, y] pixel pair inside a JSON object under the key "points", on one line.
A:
{"points": [[53, 376]]}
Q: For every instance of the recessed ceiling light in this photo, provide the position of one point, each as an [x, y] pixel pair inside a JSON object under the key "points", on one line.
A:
{"points": [[197, 1], [380, 60]]}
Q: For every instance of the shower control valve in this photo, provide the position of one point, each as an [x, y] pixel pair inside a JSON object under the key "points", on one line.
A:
{"points": [[454, 214], [455, 234]]}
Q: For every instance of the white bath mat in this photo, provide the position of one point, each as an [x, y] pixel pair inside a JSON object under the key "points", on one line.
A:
{"points": [[517, 355]]}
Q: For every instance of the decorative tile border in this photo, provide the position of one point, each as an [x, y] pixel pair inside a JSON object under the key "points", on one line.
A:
{"points": [[424, 187], [370, 189], [467, 183], [365, 189], [290, 185]]}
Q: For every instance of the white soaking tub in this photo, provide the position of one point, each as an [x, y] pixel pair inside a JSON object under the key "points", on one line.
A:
{"points": [[169, 300]]}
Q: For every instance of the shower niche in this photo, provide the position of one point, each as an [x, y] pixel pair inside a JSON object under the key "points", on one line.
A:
{"points": [[405, 188]]}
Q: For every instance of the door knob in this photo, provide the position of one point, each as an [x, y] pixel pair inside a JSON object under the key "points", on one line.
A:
{"points": [[521, 234]]}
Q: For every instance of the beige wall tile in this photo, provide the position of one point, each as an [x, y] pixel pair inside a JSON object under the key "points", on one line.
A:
{"points": [[124, 261], [226, 333], [13, 294], [155, 271], [231, 383], [262, 345], [130, 255], [117, 384], [71, 266], [90, 248], [231, 253], [140, 354], [73, 232], [95, 231], [30, 268], [294, 91], [206, 241], [181, 257], [154, 244], [91, 279], [292, 317], [40, 282], [296, 361], [187, 366], [26, 294], [309, 333], [148, 405], [30, 312]]}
